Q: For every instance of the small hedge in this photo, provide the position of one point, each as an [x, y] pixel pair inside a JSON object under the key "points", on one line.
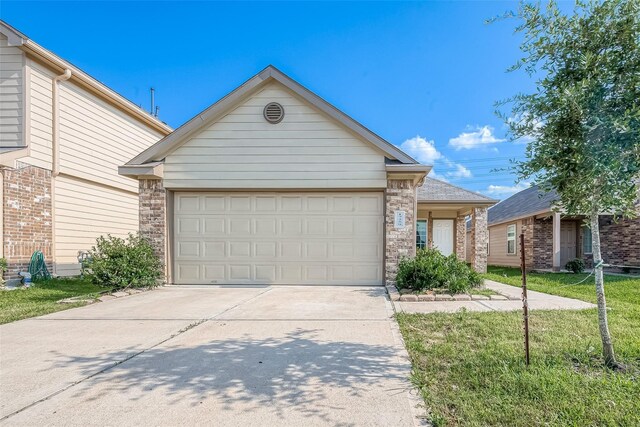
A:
{"points": [[123, 263], [575, 265], [432, 270]]}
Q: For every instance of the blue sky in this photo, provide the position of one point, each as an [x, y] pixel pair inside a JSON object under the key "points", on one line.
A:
{"points": [[425, 76]]}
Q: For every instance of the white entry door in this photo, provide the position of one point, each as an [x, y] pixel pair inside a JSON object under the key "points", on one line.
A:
{"points": [[443, 235], [278, 238]]}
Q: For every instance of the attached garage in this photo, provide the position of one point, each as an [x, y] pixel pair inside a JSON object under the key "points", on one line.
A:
{"points": [[273, 185], [278, 238]]}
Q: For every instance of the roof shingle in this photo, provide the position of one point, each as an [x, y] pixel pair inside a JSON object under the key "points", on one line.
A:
{"points": [[433, 190]]}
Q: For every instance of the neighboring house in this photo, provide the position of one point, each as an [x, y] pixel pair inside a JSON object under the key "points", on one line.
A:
{"points": [[62, 136], [552, 239], [272, 184]]}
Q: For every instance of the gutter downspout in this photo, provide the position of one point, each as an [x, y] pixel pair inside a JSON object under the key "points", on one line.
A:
{"points": [[55, 153]]}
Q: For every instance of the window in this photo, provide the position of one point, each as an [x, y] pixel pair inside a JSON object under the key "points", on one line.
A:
{"points": [[421, 234], [511, 239], [586, 239]]}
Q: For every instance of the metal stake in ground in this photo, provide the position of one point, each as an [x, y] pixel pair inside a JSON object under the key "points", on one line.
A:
{"points": [[525, 302]]}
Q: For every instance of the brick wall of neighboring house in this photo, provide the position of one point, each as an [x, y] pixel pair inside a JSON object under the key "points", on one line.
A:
{"points": [[543, 243], [400, 196], [153, 214], [619, 241], [528, 225], [27, 217]]}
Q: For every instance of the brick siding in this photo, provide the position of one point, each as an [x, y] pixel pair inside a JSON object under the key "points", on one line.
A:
{"points": [[400, 196], [479, 239], [153, 215], [27, 217]]}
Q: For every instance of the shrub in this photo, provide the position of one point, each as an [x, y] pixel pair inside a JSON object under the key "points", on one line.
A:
{"points": [[3, 268], [121, 263], [575, 265], [432, 270]]}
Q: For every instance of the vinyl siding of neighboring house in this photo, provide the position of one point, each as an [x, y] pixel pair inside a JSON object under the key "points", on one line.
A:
{"points": [[498, 245], [11, 90], [306, 150], [89, 197]]}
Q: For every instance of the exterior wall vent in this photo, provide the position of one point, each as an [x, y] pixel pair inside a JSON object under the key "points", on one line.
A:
{"points": [[273, 112]]}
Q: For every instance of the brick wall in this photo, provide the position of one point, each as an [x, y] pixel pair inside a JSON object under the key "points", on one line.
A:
{"points": [[543, 243], [461, 235], [400, 195], [153, 213], [528, 225], [27, 217], [620, 241], [479, 234]]}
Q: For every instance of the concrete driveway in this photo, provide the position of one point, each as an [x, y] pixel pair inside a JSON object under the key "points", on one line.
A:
{"points": [[232, 356]]}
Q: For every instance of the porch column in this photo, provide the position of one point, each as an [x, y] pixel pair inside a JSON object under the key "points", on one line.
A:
{"points": [[400, 241], [479, 239], [461, 233], [556, 241]]}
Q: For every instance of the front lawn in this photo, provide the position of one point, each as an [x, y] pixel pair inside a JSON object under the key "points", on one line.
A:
{"points": [[42, 298], [470, 366]]}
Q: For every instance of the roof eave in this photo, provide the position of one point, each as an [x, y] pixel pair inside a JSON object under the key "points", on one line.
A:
{"points": [[18, 39]]}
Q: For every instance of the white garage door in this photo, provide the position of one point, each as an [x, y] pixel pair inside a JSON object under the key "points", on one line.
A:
{"points": [[278, 238]]}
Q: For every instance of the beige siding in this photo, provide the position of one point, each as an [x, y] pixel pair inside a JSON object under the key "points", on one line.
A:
{"points": [[90, 198], [96, 138], [498, 245], [11, 95], [40, 116], [85, 210], [305, 150]]}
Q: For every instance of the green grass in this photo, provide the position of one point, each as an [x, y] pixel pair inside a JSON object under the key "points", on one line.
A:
{"points": [[42, 298], [470, 366]]}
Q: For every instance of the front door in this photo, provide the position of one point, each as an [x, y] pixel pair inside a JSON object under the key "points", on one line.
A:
{"points": [[567, 242], [443, 235]]}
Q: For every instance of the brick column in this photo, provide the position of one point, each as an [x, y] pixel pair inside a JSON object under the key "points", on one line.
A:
{"points": [[461, 234], [27, 217], [153, 216], [479, 240], [399, 243], [527, 230]]}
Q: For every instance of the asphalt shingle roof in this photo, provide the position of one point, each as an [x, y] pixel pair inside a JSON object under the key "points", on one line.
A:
{"points": [[529, 201], [434, 190]]}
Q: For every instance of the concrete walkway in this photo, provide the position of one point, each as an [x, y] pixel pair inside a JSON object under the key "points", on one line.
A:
{"points": [[232, 356], [537, 301]]}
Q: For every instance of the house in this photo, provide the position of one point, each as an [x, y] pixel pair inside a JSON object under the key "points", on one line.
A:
{"points": [[551, 238], [272, 184], [63, 135]]}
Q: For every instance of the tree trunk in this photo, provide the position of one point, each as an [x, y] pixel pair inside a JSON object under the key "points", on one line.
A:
{"points": [[603, 323]]}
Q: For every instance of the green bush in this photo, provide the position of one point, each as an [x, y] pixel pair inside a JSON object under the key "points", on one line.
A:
{"points": [[432, 270], [121, 263], [575, 265], [3, 268]]}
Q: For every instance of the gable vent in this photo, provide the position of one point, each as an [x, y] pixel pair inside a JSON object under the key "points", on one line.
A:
{"points": [[273, 112]]}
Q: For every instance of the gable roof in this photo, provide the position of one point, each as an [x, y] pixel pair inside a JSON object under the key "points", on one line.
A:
{"points": [[434, 190], [172, 141], [530, 201], [18, 39]]}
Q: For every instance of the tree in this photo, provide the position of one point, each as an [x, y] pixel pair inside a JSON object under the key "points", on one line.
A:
{"points": [[582, 122]]}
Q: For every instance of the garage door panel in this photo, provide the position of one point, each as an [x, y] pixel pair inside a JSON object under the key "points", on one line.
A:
{"points": [[309, 238]]}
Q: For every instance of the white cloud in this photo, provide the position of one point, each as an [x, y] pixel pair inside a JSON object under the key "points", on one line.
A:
{"points": [[435, 175], [422, 150], [482, 136], [460, 172], [506, 190]]}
